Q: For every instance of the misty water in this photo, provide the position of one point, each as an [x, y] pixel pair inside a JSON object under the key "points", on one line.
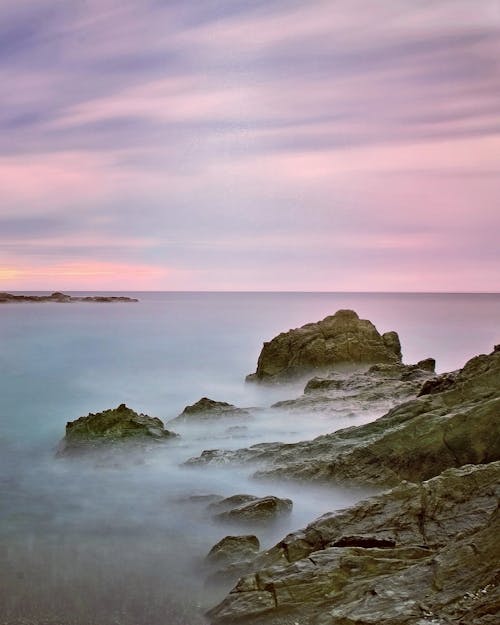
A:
{"points": [[98, 544]]}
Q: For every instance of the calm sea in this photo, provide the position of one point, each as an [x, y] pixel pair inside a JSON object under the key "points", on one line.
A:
{"points": [[85, 545]]}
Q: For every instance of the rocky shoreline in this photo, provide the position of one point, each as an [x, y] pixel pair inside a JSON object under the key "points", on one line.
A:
{"points": [[424, 552], [61, 298]]}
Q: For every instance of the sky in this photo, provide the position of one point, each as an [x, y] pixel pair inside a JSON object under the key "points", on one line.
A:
{"points": [[258, 145]]}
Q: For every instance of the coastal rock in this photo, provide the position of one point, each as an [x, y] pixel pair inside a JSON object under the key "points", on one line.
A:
{"points": [[61, 298], [113, 426], [233, 549], [342, 338], [415, 440], [228, 503], [207, 409], [420, 553], [258, 510]]}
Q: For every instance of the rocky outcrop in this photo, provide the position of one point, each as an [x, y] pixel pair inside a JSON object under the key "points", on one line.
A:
{"points": [[255, 510], [415, 440], [342, 338], [62, 298], [420, 553], [233, 549], [113, 426], [207, 409]]}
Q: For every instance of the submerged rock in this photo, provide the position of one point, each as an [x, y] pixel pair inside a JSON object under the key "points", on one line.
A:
{"points": [[260, 510], [207, 409], [342, 338], [420, 553], [110, 427]]}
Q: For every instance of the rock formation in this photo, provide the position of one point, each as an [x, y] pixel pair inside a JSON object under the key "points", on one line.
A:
{"points": [[113, 426], [418, 554], [342, 338], [257, 510], [206, 409], [415, 440], [62, 298]]}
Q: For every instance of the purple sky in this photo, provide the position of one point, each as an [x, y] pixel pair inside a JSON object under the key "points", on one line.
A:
{"points": [[250, 145]]}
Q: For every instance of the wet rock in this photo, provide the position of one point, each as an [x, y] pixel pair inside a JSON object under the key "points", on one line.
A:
{"points": [[342, 338], [420, 553], [233, 549], [111, 427], [207, 409], [259, 510], [415, 440]]}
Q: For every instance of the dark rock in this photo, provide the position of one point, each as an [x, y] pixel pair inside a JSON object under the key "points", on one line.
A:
{"points": [[342, 338], [61, 298], [207, 409], [118, 425], [431, 557], [261, 510], [415, 440], [233, 549]]}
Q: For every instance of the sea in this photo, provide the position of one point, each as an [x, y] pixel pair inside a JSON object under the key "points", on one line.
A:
{"points": [[85, 543]]}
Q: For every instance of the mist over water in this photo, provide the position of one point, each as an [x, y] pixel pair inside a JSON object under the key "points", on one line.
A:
{"points": [[106, 544]]}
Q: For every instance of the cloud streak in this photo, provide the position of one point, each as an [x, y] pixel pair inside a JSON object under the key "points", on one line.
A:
{"points": [[349, 141]]}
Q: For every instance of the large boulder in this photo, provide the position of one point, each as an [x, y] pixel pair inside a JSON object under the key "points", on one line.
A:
{"points": [[342, 338], [206, 409], [420, 553], [113, 426]]}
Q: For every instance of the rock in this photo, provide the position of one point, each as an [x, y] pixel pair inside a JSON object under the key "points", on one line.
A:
{"points": [[117, 425], [233, 549], [228, 503], [61, 298], [415, 440], [420, 553], [207, 409], [342, 338], [261, 510]]}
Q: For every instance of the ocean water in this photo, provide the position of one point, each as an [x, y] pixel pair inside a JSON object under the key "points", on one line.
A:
{"points": [[84, 544]]}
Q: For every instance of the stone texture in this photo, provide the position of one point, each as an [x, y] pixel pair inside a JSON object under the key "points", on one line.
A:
{"points": [[233, 549], [111, 427], [415, 440], [342, 338], [418, 554]]}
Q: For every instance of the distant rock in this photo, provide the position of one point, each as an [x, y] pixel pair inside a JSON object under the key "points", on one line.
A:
{"points": [[207, 409], [61, 298], [259, 510], [418, 554], [111, 427], [342, 338], [233, 549]]}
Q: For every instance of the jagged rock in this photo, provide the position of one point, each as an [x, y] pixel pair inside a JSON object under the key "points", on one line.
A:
{"points": [[207, 409], [420, 553], [342, 338], [415, 440], [260, 510], [117, 425], [233, 549], [62, 298]]}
